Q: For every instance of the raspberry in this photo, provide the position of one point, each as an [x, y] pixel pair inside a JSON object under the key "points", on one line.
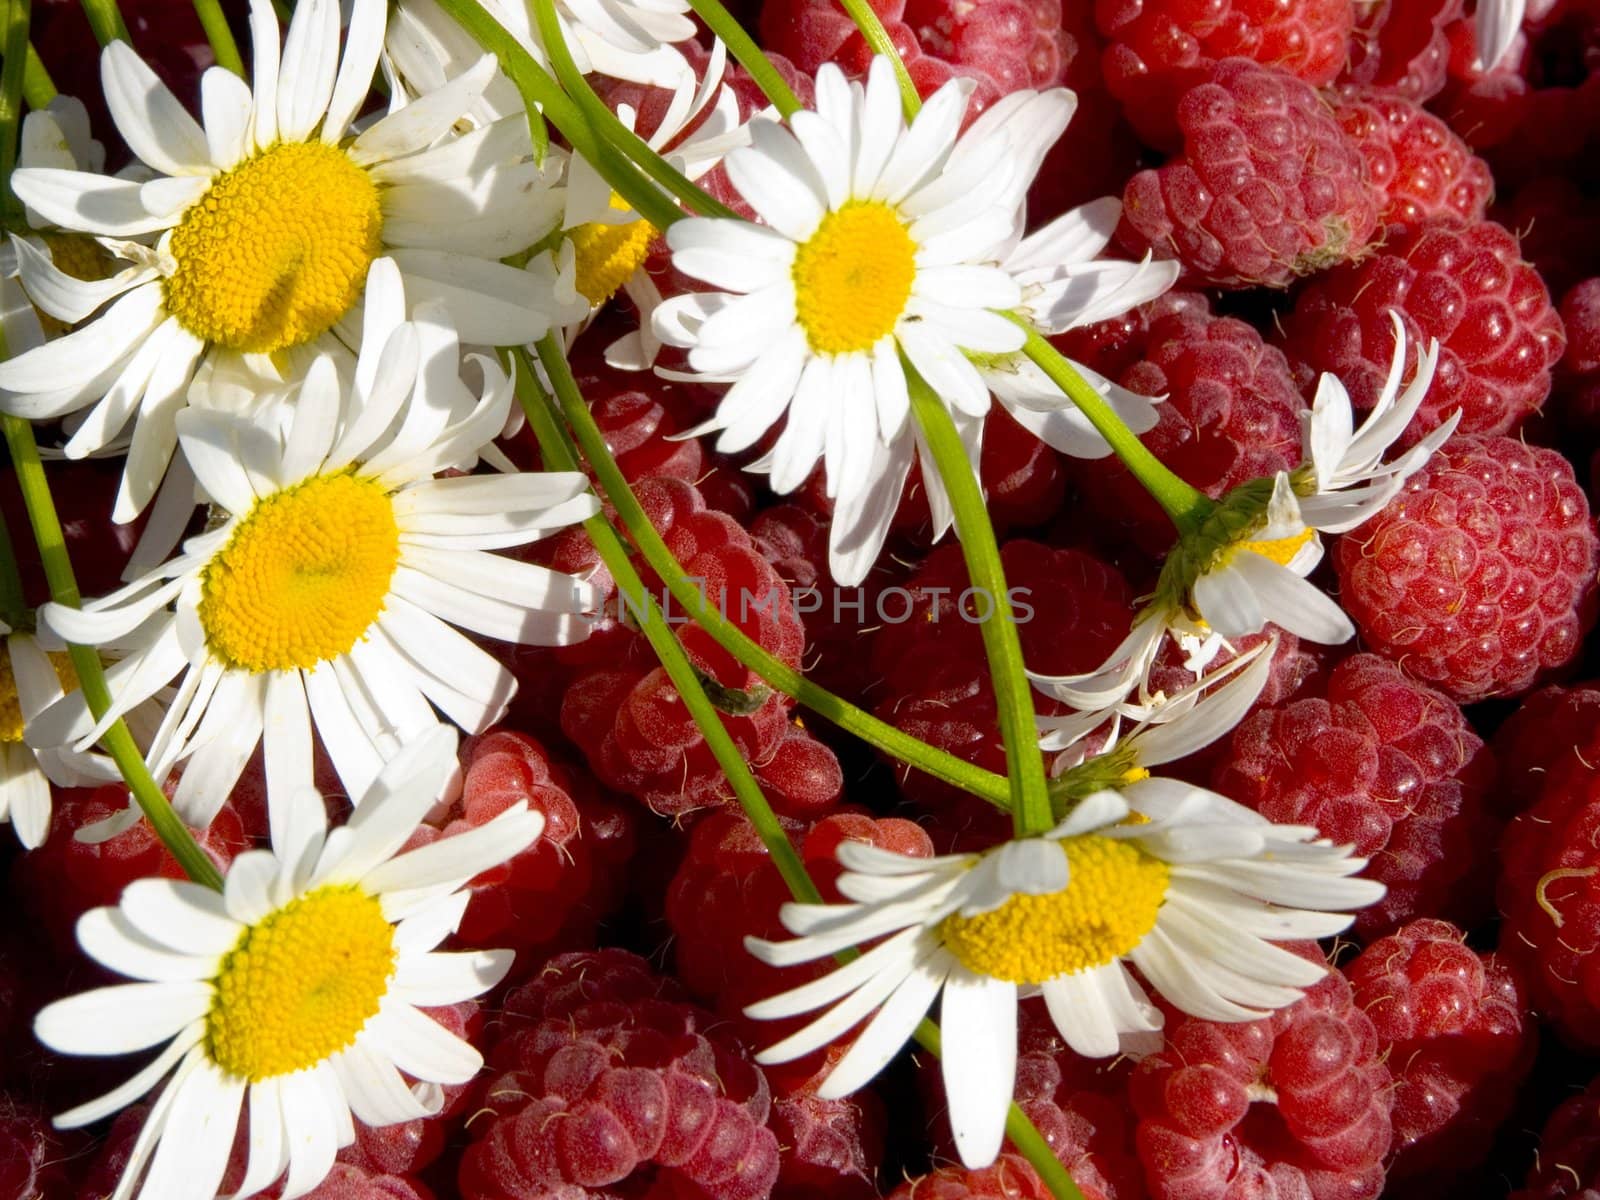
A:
{"points": [[36, 1162], [1401, 46], [1554, 220], [1453, 1024], [1464, 284], [554, 893], [1568, 1161], [1231, 414], [1415, 160], [1295, 1104], [1161, 48], [1382, 763], [1548, 741], [639, 1080], [1477, 577], [1577, 392], [346, 1182], [1010, 1178], [1268, 186]]}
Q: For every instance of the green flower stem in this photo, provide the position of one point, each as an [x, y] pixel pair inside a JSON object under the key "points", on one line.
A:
{"points": [[38, 89], [13, 604], [749, 56], [105, 18], [605, 123], [541, 94], [118, 742], [1030, 798], [219, 35], [559, 455], [14, 45], [877, 37], [730, 637], [1184, 504]]}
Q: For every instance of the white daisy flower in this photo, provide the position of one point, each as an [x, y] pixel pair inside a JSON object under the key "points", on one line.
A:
{"points": [[267, 219], [625, 39], [879, 240], [1497, 23], [298, 986], [610, 240], [1247, 565], [1065, 285], [326, 593], [1188, 887]]}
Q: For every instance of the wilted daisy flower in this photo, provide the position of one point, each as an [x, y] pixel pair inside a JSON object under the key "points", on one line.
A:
{"points": [[326, 593], [1190, 888], [879, 240], [298, 986], [610, 240], [1065, 285], [625, 39], [1497, 23], [269, 217], [1246, 565]]}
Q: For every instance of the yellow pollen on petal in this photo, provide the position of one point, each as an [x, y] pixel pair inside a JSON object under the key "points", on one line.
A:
{"points": [[304, 575], [11, 719], [276, 250], [608, 255], [1279, 550], [300, 984], [853, 276], [1107, 908]]}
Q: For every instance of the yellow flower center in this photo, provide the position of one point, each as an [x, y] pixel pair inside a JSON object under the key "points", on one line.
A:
{"points": [[300, 984], [1110, 903], [853, 276], [608, 255], [304, 575], [11, 720], [276, 250], [1279, 550]]}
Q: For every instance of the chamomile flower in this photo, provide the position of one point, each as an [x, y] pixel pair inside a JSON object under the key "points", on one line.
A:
{"points": [[1065, 284], [610, 241], [880, 240], [266, 220], [1189, 887], [298, 988], [326, 592], [625, 39], [1246, 564]]}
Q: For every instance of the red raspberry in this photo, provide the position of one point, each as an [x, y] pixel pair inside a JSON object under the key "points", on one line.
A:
{"points": [[1295, 1104], [1568, 1161], [1550, 740], [1455, 1028], [1268, 187], [1577, 391], [1477, 577], [1161, 48], [1415, 160], [554, 893], [1464, 284], [1382, 763], [640, 1082], [1010, 1178], [1401, 46], [36, 1162], [1554, 220], [1231, 414]]}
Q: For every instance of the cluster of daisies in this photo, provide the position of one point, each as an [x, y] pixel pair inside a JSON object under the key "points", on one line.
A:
{"points": [[299, 313]]}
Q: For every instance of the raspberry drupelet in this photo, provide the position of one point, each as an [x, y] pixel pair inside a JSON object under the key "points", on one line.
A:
{"points": [[1268, 187], [1464, 284], [1478, 577]]}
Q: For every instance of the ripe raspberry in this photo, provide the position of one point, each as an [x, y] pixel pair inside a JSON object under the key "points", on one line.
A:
{"points": [[553, 894], [1464, 284], [1161, 48], [640, 1081], [1455, 1029], [1295, 1104], [1382, 763], [1549, 741], [1421, 167], [1010, 1178], [1231, 414], [1401, 46], [1268, 187], [1568, 1161], [1554, 219], [1576, 405], [1477, 577], [36, 1162]]}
